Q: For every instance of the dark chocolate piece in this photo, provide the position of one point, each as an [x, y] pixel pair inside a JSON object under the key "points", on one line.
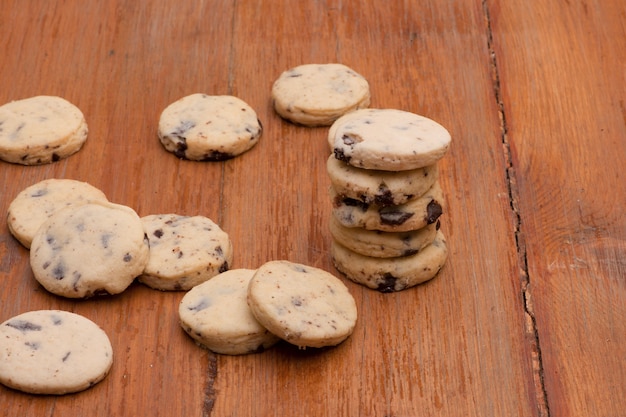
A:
{"points": [[434, 210]]}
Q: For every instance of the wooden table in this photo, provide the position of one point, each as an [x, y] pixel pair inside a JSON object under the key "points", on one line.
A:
{"points": [[528, 316]]}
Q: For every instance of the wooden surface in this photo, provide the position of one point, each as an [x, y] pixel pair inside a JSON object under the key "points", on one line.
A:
{"points": [[527, 318]]}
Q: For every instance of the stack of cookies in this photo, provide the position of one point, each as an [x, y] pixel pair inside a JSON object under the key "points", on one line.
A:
{"points": [[386, 197]]}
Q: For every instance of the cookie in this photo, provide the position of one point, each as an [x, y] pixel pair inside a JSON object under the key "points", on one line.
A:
{"points": [[201, 127], [383, 188], [40, 130], [377, 244], [391, 274], [388, 140], [318, 94], [91, 249], [413, 215], [184, 251], [216, 315], [306, 306], [36, 203], [53, 352]]}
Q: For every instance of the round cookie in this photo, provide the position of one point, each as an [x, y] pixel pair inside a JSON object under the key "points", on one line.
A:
{"points": [[388, 140], [306, 306], [216, 315], [383, 188], [92, 249], [53, 352], [391, 274], [184, 251], [36, 203], [413, 215], [200, 127], [318, 94], [377, 244], [40, 130]]}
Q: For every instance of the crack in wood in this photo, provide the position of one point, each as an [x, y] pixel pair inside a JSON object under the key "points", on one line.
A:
{"points": [[541, 393], [209, 389]]}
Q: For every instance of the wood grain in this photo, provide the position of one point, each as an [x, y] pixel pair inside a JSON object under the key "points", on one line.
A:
{"points": [[527, 316], [564, 103]]}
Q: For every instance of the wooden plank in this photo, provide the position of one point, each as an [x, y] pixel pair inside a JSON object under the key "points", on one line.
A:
{"points": [[562, 76]]}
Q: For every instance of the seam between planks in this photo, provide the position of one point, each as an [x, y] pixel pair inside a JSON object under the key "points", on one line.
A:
{"points": [[543, 408]]}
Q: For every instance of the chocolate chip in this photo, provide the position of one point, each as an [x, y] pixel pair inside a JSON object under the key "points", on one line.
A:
{"points": [[347, 140], [388, 284], [340, 155], [409, 252], [434, 210], [77, 276], [181, 148], [24, 326], [158, 233], [393, 217], [67, 355], [127, 257], [204, 303], [39, 193], [352, 202], [215, 156], [224, 267], [383, 197], [104, 240], [59, 271], [183, 128], [33, 345], [301, 269]]}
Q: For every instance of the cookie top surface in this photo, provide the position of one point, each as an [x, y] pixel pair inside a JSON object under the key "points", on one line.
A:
{"points": [[184, 251], [36, 203], [53, 352], [90, 249], [216, 314], [202, 127], [317, 94], [388, 139], [41, 129], [306, 306]]}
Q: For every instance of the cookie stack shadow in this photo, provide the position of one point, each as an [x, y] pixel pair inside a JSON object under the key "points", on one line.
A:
{"points": [[386, 207]]}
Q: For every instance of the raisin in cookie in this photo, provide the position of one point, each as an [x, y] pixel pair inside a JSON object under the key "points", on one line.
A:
{"points": [[383, 188], [412, 215], [388, 140], [90, 249], [201, 127], [36, 203], [216, 315], [306, 306], [317, 94], [40, 130], [53, 352], [391, 274], [378, 244], [184, 251]]}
